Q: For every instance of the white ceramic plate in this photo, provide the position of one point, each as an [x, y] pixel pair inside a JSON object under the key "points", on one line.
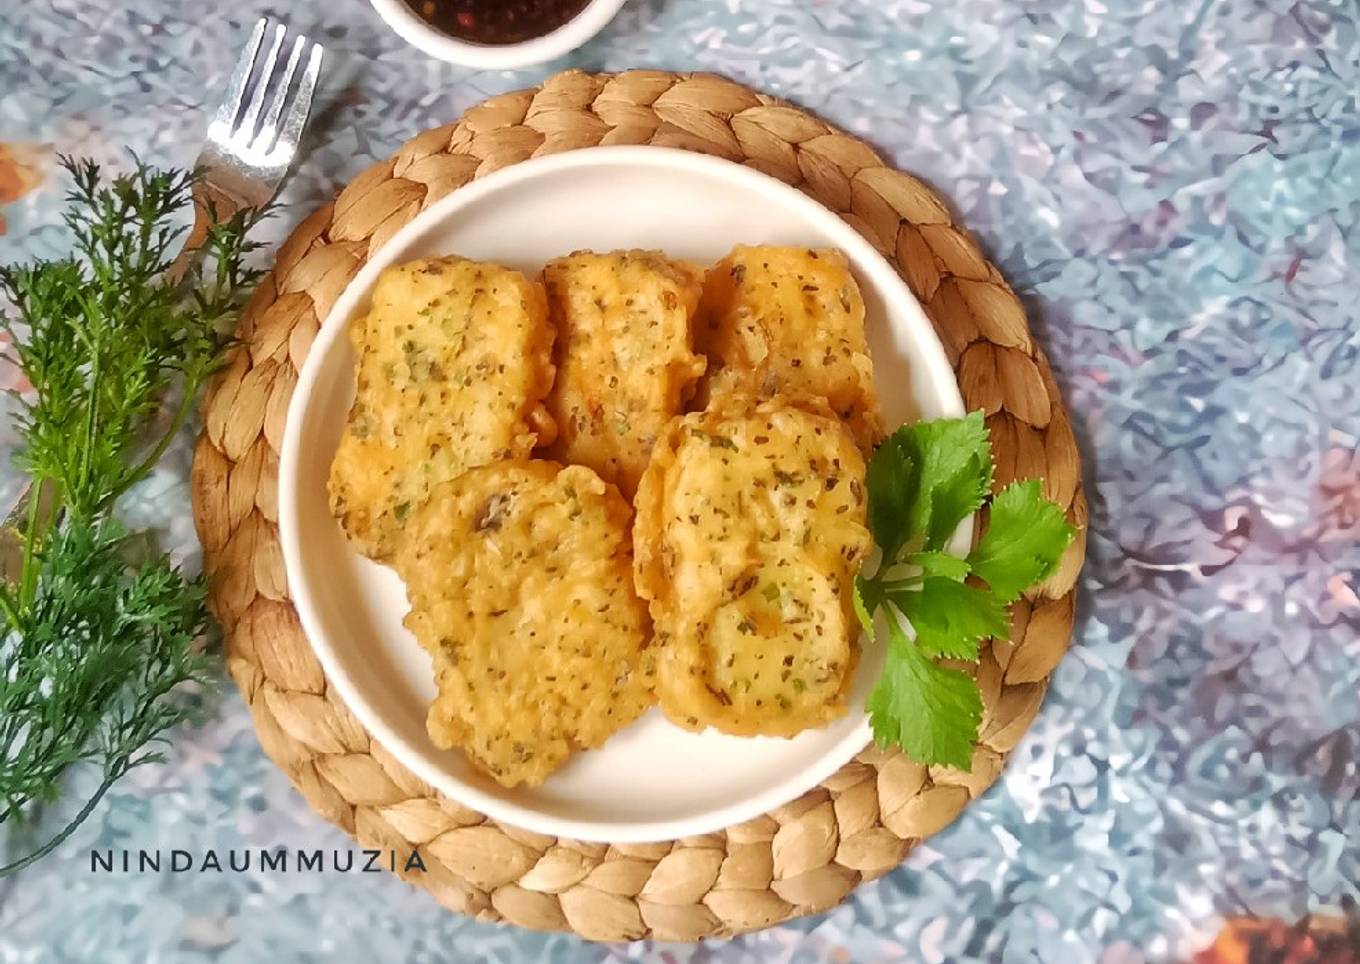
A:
{"points": [[651, 781]]}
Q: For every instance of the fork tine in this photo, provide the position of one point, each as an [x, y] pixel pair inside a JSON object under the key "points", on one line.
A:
{"points": [[236, 87], [269, 130], [302, 102], [247, 130]]}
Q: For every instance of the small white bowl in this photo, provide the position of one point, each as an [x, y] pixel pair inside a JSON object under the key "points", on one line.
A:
{"points": [[412, 28], [652, 780]]}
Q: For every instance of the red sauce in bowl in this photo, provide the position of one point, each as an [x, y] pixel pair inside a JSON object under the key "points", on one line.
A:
{"points": [[497, 21]]}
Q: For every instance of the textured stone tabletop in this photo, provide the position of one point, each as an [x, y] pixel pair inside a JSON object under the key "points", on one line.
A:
{"points": [[1172, 186]]}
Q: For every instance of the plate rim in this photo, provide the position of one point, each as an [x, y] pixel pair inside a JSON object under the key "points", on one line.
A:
{"points": [[865, 257]]}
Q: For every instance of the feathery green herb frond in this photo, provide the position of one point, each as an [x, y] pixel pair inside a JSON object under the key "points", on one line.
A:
{"points": [[103, 339], [99, 638]]}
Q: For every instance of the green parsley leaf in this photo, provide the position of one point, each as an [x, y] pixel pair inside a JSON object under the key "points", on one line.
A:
{"points": [[925, 479], [893, 480], [951, 617], [1025, 538], [956, 474], [931, 712], [866, 601], [940, 564]]}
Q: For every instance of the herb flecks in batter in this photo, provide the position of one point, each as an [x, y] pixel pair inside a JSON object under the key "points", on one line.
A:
{"points": [[744, 597], [439, 390]]}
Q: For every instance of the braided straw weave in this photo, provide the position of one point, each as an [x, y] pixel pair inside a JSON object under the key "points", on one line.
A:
{"points": [[802, 857]]}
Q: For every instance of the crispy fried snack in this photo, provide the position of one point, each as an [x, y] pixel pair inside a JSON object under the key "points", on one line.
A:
{"points": [[750, 528], [520, 582], [454, 363], [625, 362], [789, 321]]}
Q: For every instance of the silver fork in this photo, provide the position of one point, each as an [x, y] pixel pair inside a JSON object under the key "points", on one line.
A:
{"points": [[243, 161], [249, 149]]}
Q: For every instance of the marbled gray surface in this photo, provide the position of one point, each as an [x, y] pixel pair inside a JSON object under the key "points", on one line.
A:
{"points": [[1173, 188]]}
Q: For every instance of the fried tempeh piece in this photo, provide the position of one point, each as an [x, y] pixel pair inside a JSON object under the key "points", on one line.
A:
{"points": [[520, 580], [625, 360], [454, 360], [781, 320], [750, 528]]}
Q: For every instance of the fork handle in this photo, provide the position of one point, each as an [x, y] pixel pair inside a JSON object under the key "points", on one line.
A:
{"points": [[211, 205]]}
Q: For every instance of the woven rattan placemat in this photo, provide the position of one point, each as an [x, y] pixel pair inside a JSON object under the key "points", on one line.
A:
{"points": [[800, 858]]}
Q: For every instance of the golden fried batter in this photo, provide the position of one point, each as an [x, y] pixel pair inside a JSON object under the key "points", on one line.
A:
{"points": [[789, 321], [520, 583], [750, 528], [625, 363], [454, 362]]}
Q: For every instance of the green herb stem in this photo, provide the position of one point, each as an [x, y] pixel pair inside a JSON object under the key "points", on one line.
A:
{"points": [[59, 838], [144, 467], [29, 577]]}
